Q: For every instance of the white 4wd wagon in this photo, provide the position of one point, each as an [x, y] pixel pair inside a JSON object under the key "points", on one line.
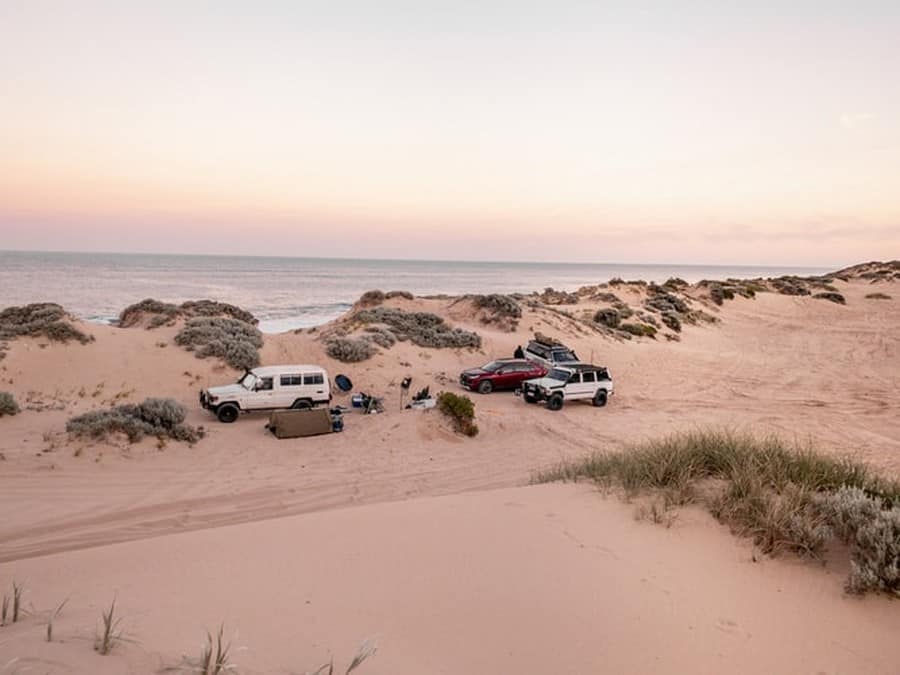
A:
{"points": [[572, 382], [269, 388]]}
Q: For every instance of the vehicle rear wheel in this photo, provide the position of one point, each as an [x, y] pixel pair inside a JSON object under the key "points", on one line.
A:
{"points": [[227, 413], [600, 398], [555, 402], [301, 405], [485, 387]]}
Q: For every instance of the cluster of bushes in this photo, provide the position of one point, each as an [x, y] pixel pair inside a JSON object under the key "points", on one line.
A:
{"points": [[234, 341], [421, 328], [551, 296], [461, 411], [39, 319], [160, 417], [166, 313], [785, 498], [8, 405]]}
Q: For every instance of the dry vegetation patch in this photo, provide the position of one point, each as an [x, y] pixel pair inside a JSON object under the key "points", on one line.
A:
{"points": [[155, 313], [785, 498], [45, 319], [159, 417]]}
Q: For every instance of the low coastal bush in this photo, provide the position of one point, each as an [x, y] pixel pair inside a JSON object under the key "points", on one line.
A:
{"points": [[639, 329], [461, 411], [166, 313], [160, 417], [832, 297], [44, 318], [234, 341], [785, 498], [610, 317], [499, 305], [421, 328], [877, 296], [371, 298], [350, 350], [872, 531], [8, 405], [406, 295]]}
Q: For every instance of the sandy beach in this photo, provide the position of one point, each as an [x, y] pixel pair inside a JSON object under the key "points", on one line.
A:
{"points": [[432, 544]]}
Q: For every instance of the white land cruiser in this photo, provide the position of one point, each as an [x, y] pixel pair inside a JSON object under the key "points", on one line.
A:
{"points": [[572, 382], [269, 388]]}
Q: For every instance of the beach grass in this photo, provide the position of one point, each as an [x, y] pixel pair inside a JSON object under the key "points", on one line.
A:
{"points": [[785, 497]]}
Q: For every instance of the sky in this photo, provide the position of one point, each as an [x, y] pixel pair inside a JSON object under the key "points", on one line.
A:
{"points": [[642, 132]]}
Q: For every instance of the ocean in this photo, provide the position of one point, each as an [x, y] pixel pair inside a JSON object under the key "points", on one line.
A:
{"points": [[288, 293]]}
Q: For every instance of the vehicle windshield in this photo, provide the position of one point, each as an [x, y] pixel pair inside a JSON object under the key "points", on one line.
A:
{"points": [[493, 366], [558, 374], [248, 381], [567, 355]]}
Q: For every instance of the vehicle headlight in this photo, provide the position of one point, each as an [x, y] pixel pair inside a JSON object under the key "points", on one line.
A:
{"points": [[211, 398]]}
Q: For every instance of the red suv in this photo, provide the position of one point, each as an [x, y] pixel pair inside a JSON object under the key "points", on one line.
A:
{"points": [[501, 374]]}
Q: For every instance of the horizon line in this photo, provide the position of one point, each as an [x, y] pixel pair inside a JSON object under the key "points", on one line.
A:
{"points": [[426, 260]]}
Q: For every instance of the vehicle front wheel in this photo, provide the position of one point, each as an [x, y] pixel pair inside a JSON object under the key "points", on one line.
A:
{"points": [[485, 387], [555, 402], [301, 405], [227, 413], [600, 398]]}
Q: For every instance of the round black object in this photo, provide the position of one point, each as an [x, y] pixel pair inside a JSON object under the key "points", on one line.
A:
{"points": [[343, 383]]}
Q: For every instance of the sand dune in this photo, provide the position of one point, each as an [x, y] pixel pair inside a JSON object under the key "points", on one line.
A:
{"points": [[797, 366]]}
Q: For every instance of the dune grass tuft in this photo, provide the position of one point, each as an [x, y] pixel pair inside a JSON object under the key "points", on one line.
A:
{"points": [[366, 650], [214, 655], [55, 613], [785, 498], [109, 632]]}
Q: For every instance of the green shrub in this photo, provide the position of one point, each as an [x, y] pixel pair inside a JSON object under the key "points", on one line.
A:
{"points": [[43, 318], [154, 417], [461, 411], [639, 329], [608, 317], [406, 295], [877, 296], [672, 321], [235, 342], [832, 297], [349, 350], [8, 405]]}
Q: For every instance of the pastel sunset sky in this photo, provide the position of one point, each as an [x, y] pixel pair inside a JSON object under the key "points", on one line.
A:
{"points": [[683, 132]]}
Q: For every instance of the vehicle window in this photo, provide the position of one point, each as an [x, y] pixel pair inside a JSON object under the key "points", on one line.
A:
{"points": [[248, 381], [265, 384], [575, 378], [493, 366], [565, 355], [313, 378], [588, 376], [537, 349], [291, 380], [557, 374]]}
